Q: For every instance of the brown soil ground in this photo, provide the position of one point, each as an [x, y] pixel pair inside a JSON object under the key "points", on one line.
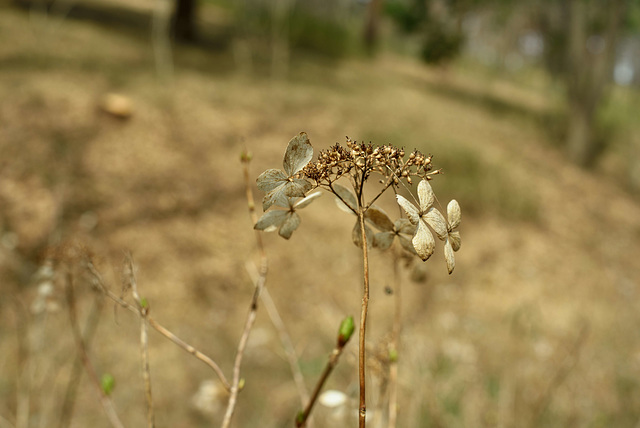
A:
{"points": [[538, 325]]}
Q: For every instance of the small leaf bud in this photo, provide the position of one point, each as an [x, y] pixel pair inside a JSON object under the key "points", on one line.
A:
{"points": [[107, 383], [346, 330]]}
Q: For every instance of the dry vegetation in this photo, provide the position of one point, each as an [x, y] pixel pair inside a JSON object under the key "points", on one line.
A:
{"points": [[538, 326]]}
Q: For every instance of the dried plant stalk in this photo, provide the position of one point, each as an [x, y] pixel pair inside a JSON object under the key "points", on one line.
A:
{"points": [[106, 402], [100, 286], [362, 410], [143, 312], [248, 325], [76, 371], [265, 296], [344, 334]]}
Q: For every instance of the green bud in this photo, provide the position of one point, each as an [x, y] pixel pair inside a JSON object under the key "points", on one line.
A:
{"points": [[246, 156], [393, 355], [241, 383], [108, 382], [346, 330], [300, 418], [144, 303]]}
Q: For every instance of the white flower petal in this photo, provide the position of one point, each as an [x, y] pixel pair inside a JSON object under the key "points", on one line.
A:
{"points": [[307, 200], [271, 220], [453, 214], [423, 241], [383, 240], [425, 195], [270, 179], [299, 153], [379, 218], [347, 197], [290, 224], [435, 219], [448, 255], [454, 239], [409, 208]]}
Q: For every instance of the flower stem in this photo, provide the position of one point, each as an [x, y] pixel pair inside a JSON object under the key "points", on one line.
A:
{"points": [[362, 413]]}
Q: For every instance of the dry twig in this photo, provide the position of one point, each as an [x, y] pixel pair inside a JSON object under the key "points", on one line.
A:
{"points": [[86, 361], [344, 334], [100, 286], [76, 371], [143, 312]]}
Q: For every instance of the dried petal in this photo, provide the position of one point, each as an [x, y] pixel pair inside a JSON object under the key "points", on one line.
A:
{"points": [[347, 197], [306, 201], [409, 208], [276, 195], [453, 213], [383, 240], [454, 239], [423, 241], [270, 179], [448, 255], [297, 187], [285, 201], [436, 220], [379, 218], [402, 225], [299, 153], [290, 224], [271, 221], [407, 245], [356, 235], [425, 195]]}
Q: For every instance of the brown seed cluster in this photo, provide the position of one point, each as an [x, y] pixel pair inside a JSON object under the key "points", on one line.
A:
{"points": [[363, 158]]}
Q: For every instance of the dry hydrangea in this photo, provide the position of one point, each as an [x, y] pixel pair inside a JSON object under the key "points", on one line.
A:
{"points": [[279, 184], [426, 215]]}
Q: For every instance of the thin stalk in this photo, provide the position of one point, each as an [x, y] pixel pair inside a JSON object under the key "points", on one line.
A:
{"points": [[146, 373], [272, 310], [301, 420], [143, 312], [23, 387], [106, 402], [159, 328], [76, 372], [251, 317], [5, 423], [362, 412]]}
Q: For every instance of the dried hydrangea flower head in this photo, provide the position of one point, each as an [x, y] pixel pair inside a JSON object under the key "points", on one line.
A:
{"points": [[279, 184], [427, 215], [285, 221], [357, 162], [364, 159]]}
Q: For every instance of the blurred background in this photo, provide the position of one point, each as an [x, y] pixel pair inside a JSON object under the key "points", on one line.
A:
{"points": [[121, 128]]}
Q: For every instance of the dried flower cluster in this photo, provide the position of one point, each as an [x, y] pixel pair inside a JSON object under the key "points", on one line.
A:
{"points": [[387, 160], [288, 188]]}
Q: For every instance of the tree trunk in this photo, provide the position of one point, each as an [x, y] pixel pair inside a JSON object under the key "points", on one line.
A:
{"points": [[184, 20], [588, 76], [372, 24]]}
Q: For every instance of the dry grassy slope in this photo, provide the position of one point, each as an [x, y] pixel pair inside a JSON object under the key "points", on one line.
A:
{"points": [[167, 184]]}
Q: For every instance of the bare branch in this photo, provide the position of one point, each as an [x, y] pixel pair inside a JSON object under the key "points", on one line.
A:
{"points": [[107, 405]]}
